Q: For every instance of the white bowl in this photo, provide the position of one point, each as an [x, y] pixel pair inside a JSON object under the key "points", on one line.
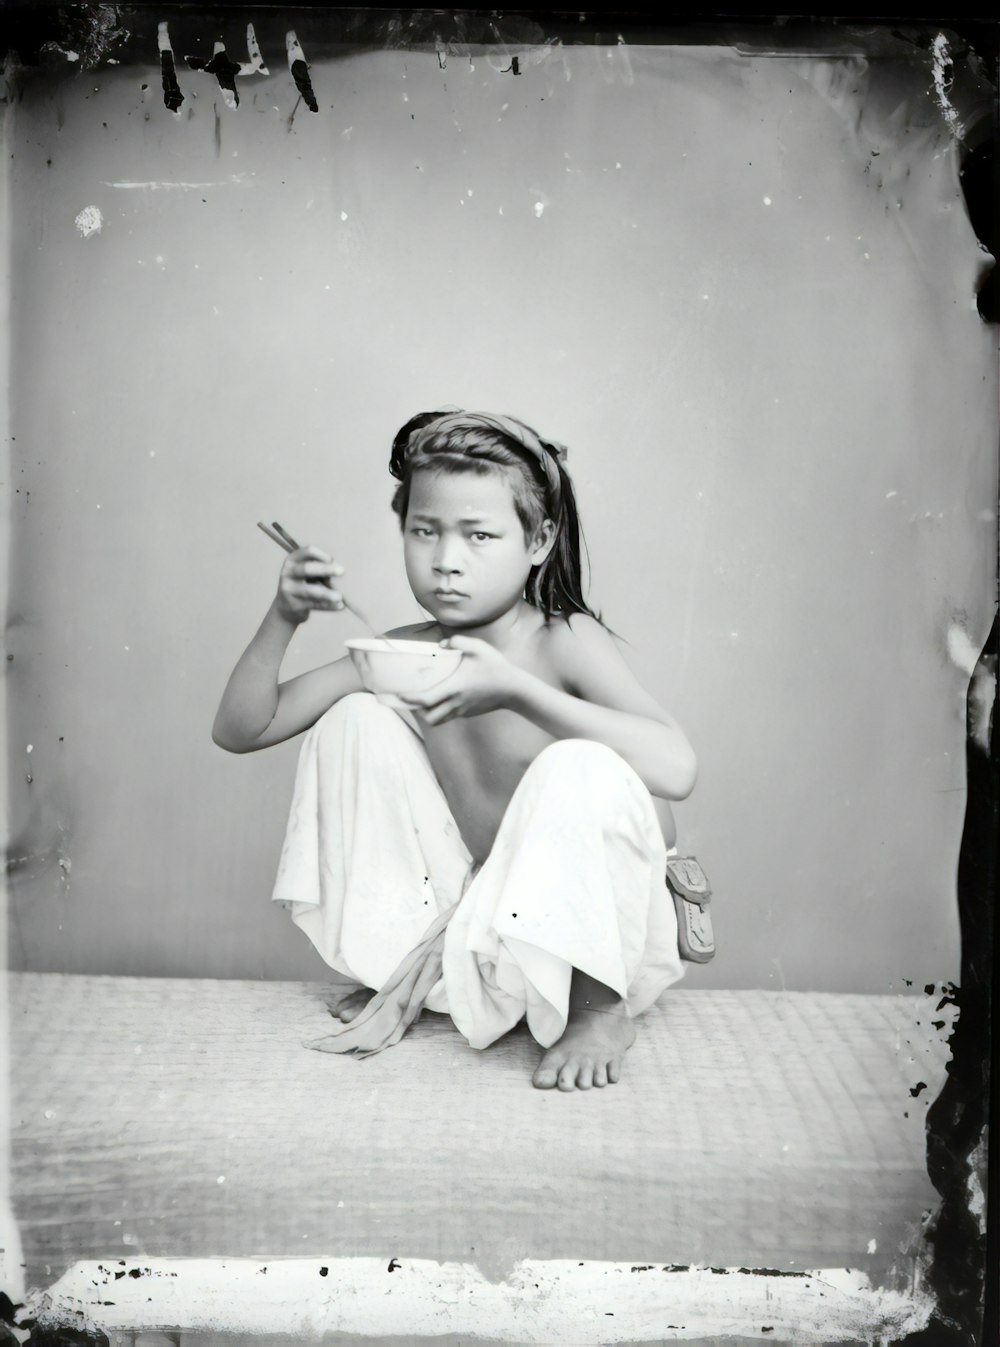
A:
{"points": [[391, 667]]}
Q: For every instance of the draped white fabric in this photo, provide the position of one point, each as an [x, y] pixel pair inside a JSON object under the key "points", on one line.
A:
{"points": [[373, 857]]}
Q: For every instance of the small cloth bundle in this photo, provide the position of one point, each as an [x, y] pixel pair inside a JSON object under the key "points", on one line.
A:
{"points": [[391, 1011], [691, 892], [399, 1003]]}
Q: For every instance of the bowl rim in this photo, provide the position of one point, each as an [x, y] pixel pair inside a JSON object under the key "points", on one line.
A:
{"points": [[391, 645]]}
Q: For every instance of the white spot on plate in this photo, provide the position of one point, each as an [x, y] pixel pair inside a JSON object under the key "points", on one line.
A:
{"points": [[889, 495], [539, 209], [767, 201], [221, 1178], [89, 221], [872, 1245], [343, 214], [31, 748]]}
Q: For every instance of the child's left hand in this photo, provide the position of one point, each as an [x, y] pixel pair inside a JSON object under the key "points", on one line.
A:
{"points": [[484, 681]]}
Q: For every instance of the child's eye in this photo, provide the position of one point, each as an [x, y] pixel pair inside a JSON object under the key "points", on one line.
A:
{"points": [[419, 531], [479, 535]]}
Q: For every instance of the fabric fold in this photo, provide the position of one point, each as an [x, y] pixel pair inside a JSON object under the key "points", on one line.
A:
{"points": [[391, 1011], [376, 873]]}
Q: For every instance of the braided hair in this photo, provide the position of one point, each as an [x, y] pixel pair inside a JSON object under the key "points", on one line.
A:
{"points": [[480, 442]]}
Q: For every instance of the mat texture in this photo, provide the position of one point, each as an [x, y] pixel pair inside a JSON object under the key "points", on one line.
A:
{"points": [[170, 1117]]}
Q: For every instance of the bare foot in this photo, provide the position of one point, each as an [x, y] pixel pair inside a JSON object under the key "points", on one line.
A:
{"points": [[348, 1005], [591, 1051]]}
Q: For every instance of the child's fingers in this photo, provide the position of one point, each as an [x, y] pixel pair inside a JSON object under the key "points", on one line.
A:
{"points": [[310, 553], [321, 569], [312, 567], [314, 594], [446, 710], [423, 701]]}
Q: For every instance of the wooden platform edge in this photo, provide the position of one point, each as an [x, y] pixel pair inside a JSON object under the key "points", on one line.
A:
{"points": [[551, 1302]]}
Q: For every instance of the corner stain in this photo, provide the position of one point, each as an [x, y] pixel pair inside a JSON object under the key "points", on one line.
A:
{"points": [[300, 70], [223, 68], [255, 59], [957, 1269], [172, 96], [944, 75], [767, 1272]]}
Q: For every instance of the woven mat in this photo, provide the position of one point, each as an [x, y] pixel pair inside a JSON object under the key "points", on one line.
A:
{"points": [[172, 1117]]}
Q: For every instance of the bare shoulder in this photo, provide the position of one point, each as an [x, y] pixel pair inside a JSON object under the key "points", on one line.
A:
{"points": [[580, 637], [576, 646], [590, 664]]}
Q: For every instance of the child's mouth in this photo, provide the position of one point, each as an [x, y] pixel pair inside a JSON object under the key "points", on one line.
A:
{"points": [[449, 595]]}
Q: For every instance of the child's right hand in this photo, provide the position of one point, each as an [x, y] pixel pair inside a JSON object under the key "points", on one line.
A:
{"points": [[304, 584]]}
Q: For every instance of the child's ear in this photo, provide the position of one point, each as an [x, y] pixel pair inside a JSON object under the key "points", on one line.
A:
{"points": [[545, 540]]}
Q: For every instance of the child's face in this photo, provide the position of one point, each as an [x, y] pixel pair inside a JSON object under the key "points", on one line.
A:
{"points": [[466, 557]]}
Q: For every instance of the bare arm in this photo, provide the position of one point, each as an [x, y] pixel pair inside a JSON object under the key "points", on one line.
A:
{"points": [[604, 702], [256, 710]]}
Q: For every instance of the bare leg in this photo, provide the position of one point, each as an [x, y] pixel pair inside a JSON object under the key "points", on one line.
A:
{"points": [[598, 1034]]}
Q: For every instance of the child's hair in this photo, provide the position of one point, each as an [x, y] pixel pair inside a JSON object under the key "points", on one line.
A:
{"points": [[457, 441]]}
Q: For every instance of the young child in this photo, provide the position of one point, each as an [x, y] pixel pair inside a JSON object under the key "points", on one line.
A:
{"points": [[500, 852]]}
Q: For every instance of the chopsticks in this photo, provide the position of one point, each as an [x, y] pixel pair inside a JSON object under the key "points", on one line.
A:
{"points": [[285, 540], [278, 535]]}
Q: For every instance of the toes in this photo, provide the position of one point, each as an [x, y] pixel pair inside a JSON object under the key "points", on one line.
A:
{"points": [[567, 1076], [614, 1070], [600, 1075], [585, 1076], [545, 1076]]}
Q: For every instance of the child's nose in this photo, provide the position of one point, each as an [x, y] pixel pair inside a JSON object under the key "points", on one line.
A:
{"points": [[446, 558]]}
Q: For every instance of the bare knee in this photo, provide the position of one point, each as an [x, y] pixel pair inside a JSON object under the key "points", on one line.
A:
{"points": [[578, 760], [573, 752]]}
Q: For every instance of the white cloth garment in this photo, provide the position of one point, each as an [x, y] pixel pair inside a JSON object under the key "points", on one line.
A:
{"points": [[575, 879]]}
